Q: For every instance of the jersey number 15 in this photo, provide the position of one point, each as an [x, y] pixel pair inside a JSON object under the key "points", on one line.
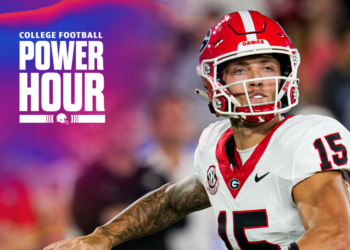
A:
{"points": [[336, 148], [243, 220]]}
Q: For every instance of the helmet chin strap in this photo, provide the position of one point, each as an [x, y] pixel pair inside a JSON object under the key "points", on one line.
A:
{"points": [[258, 119], [257, 123], [261, 107]]}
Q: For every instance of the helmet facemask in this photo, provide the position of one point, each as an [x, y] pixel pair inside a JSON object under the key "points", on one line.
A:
{"points": [[225, 104]]}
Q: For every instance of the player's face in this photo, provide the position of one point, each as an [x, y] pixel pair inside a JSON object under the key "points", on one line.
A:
{"points": [[248, 68]]}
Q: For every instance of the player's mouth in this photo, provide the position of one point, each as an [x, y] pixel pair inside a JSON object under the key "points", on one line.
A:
{"points": [[257, 98]]}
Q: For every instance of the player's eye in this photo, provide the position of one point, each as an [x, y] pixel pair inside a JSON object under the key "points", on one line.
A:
{"points": [[239, 71]]}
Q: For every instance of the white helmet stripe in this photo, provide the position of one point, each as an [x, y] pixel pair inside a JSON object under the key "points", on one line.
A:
{"points": [[248, 24]]}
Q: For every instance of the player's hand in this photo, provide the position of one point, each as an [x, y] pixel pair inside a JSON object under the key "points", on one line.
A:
{"points": [[94, 241]]}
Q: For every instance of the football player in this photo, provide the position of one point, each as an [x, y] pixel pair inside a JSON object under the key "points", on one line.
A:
{"points": [[274, 182]]}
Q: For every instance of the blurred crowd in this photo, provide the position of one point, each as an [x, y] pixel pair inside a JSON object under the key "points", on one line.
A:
{"points": [[151, 141]]}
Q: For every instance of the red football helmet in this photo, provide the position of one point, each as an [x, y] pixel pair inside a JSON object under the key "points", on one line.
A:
{"points": [[240, 34]]}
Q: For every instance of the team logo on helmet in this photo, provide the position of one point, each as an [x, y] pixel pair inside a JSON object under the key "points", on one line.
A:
{"points": [[234, 184], [212, 180], [205, 41], [62, 118]]}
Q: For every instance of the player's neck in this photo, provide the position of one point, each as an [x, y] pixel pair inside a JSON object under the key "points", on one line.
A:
{"points": [[249, 135]]}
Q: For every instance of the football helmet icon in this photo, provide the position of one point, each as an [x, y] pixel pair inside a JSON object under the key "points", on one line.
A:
{"points": [[241, 34], [62, 118]]}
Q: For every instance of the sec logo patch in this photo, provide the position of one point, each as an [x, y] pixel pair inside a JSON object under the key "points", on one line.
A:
{"points": [[212, 180]]}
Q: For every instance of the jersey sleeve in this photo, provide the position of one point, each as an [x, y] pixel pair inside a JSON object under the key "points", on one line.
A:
{"points": [[204, 140], [324, 147], [196, 166]]}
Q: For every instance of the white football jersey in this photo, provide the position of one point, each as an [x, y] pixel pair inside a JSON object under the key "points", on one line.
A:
{"points": [[254, 204]]}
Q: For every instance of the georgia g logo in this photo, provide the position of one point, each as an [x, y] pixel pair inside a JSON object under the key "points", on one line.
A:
{"points": [[234, 184], [205, 41], [212, 180]]}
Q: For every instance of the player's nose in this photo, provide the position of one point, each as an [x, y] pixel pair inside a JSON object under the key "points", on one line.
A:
{"points": [[253, 74]]}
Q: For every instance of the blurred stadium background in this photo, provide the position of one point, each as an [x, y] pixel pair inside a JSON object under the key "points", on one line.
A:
{"points": [[58, 181]]}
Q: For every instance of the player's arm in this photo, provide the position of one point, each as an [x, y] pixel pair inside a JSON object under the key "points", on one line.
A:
{"points": [[323, 204], [149, 214]]}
